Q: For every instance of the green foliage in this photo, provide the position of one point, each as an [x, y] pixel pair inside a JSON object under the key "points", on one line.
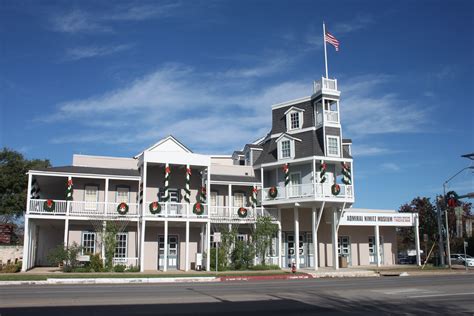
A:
{"points": [[264, 232], [66, 256], [14, 181], [11, 268], [133, 269], [85, 269], [120, 268], [242, 255], [96, 264], [110, 242], [265, 267], [222, 260]]}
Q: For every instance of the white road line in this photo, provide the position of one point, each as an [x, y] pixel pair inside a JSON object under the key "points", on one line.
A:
{"points": [[448, 294]]}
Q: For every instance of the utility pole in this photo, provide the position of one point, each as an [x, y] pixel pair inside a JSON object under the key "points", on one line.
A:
{"points": [[439, 202]]}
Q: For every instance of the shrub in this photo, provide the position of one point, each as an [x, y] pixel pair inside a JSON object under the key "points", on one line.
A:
{"points": [[120, 268], [81, 269], [96, 263], [133, 269], [221, 260], [67, 256], [242, 255], [265, 267], [11, 268]]}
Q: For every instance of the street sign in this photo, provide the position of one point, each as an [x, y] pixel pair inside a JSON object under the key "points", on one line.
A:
{"points": [[217, 237]]}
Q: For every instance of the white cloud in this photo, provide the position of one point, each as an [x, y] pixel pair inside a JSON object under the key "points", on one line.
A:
{"points": [[390, 166], [366, 150], [84, 52], [77, 21]]}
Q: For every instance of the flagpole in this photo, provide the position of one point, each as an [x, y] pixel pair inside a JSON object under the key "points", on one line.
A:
{"points": [[325, 51]]}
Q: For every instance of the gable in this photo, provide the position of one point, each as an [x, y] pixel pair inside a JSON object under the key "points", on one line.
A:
{"points": [[169, 144]]}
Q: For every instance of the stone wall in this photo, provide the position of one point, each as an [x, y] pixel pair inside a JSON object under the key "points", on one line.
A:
{"points": [[10, 254]]}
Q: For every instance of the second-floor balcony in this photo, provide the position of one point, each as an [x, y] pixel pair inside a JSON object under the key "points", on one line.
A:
{"points": [[316, 191], [234, 214], [82, 208]]}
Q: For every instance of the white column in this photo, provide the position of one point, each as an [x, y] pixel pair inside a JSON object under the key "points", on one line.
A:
{"points": [[66, 232], [26, 241], [377, 245], [208, 246], [417, 239], [202, 239], [165, 256], [315, 238], [144, 204], [137, 242], [314, 177], [280, 246], [297, 238], [335, 257], [230, 202], [142, 245], [208, 191], [187, 247]]}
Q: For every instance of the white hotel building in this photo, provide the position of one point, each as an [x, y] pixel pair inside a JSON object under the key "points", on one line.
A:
{"points": [[316, 223]]}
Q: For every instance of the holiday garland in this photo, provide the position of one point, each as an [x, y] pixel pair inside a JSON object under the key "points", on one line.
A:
{"points": [[140, 194], [346, 173], [452, 199], [273, 192], [166, 196], [154, 207], [122, 208], [187, 191], [254, 197], [203, 195], [335, 189], [322, 172], [286, 170], [49, 205], [198, 208], [69, 190], [242, 212]]}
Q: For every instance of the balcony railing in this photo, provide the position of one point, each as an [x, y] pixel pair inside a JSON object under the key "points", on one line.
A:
{"points": [[81, 208], [176, 210], [226, 213], [308, 190], [331, 116], [326, 84]]}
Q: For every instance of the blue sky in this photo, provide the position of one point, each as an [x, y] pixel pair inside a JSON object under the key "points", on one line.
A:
{"points": [[111, 78]]}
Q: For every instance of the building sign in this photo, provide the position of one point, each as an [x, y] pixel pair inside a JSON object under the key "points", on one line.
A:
{"points": [[372, 219]]}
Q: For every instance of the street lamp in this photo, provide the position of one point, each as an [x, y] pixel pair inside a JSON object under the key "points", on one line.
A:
{"points": [[448, 248]]}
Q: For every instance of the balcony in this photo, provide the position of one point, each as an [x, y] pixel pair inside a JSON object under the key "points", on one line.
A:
{"points": [[329, 85], [81, 208], [175, 210], [226, 214], [316, 191]]}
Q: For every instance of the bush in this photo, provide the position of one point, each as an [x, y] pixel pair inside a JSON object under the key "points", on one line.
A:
{"points": [[221, 260], [133, 269], [120, 268], [265, 267], [81, 269], [67, 256], [11, 268], [242, 255], [96, 263]]}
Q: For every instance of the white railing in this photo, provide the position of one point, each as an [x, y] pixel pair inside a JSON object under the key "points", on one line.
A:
{"points": [[128, 262], [133, 209], [172, 209], [37, 207], [226, 213], [317, 190], [327, 84], [81, 208], [331, 117]]}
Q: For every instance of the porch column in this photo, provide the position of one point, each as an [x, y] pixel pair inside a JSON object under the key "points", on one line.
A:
{"points": [[280, 246], [315, 238], [417, 240], [297, 237], [314, 177], [106, 209], [26, 242], [66, 232], [335, 257], [142, 246], [186, 268], [137, 242], [377, 246], [165, 255], [229, 198], [208, 246]]}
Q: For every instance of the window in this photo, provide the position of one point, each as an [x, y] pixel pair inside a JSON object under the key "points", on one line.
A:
{"points": [[333, 146], [91, 197], [88, 243], [239, 200], [242, 237], [294, 120], [122, 195], [121, 245], [285, 149], [213, 198]]}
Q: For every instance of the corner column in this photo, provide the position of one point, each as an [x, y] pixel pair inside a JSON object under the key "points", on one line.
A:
{"points": [[297, 238], [142, 231], [315, 238], [335, 257], [280, 246], [26, 237], [377, 245], [417, 239], [165, 255], [208, 246], [186, 268]]}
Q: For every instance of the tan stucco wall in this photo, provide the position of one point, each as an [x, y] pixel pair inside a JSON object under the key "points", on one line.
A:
{"points": [[104, 162]]}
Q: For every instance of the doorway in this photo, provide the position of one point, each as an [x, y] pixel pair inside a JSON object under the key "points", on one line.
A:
{"points": [[173, 252]]}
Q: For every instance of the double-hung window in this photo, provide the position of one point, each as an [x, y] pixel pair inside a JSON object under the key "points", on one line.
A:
{"points": [[333, 146], [123, 195], [239, 200], [91, 197], [294, 120], [285, 149], [88, 243], [121, 245]]}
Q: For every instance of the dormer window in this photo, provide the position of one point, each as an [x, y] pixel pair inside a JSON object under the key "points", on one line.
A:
{"points": [[294, 118], [286, 146], [285, 149], [333, 146]]}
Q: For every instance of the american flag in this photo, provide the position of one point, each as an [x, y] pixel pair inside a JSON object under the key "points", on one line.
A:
{"points": [[332, 40]]}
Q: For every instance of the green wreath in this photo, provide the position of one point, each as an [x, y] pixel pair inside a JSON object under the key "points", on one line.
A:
{"points": [[335, 189], [49, 205], [452, 199], [122, 208], [198, 208], [242, 212], [273, 192], [155, 208]]}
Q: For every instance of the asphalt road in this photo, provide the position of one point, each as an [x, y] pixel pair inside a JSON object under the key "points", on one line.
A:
{"points": [[423, 295]]}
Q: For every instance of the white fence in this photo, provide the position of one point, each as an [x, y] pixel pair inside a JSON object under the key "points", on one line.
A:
{"points": [[81, 208], [226, 213], [316, 190]]}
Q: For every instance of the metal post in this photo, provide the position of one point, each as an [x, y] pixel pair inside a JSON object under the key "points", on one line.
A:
{"points": [[448, 246], [325, 52], [417, 240], [440, 233]]}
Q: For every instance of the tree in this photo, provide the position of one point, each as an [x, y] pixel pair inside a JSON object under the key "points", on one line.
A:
{"points": [[14, 182], [265, 230]]}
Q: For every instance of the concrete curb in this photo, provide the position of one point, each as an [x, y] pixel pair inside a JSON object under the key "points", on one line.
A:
{"points": [[265, 277], [52, 281], [351, 274]]}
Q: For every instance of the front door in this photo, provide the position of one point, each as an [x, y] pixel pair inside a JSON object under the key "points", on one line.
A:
{"points": [[290, 250], [372, 253], [344, 247], [173, 252]]}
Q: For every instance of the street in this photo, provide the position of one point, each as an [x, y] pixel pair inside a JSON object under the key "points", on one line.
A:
{"points": [[444, 295]]}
